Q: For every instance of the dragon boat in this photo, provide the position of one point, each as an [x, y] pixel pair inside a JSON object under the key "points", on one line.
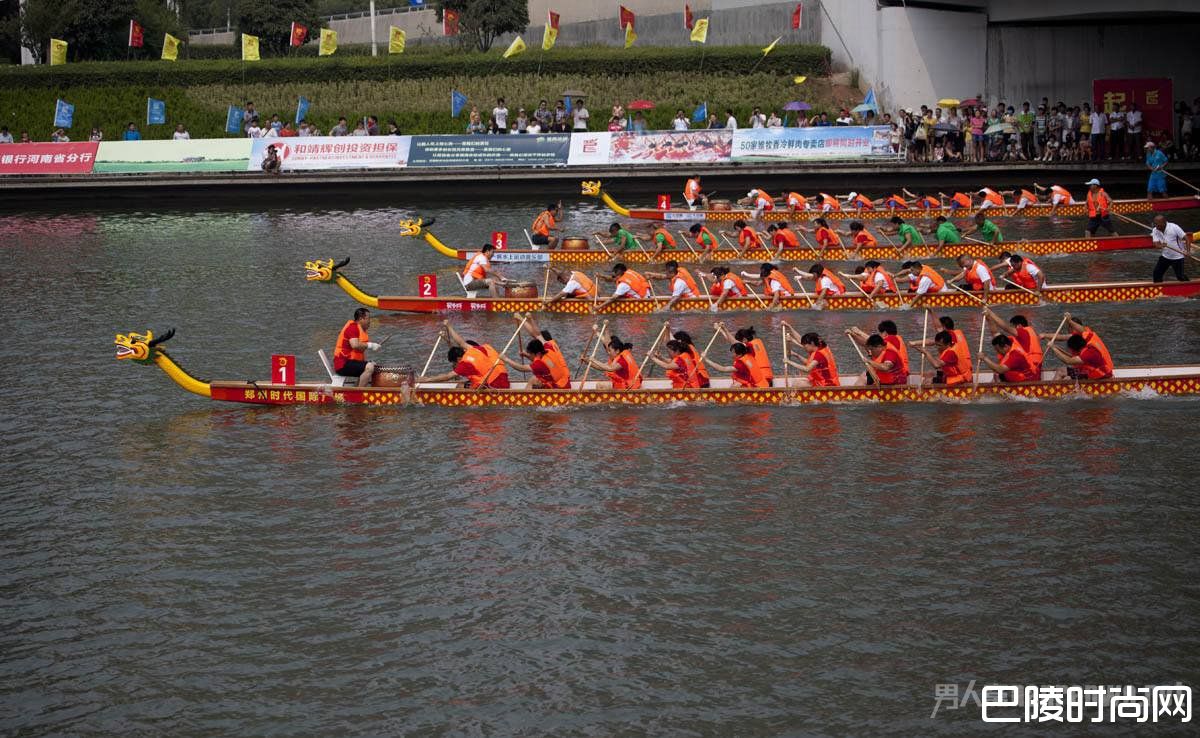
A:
{"points": [[413, 229], [592, 188], [328, 272], [1136, 381]]}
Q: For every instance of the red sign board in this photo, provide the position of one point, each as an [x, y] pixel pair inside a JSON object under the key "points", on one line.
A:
{"points": [[283, 369], [427, 285], [664, 202], [500, 240], [48, 158], [1154, 96]]}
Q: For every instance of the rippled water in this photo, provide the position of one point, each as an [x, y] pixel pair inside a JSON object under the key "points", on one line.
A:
{"points": [[174, 566]]}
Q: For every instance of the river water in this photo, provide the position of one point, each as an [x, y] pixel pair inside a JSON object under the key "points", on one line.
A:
{"points": [[175, 566]]}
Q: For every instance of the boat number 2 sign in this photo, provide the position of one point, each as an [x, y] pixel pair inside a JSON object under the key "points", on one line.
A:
{"points": [[283, 369], [427, 285]]}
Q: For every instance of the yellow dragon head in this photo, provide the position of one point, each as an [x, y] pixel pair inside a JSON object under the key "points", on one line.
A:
{"points": [[140, 348], [590, 187], [410, 228], [322, 271]]}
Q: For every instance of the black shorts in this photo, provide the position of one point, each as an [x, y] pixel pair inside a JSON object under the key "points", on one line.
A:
{"points": [[352, 368], [1095, 223], [539, 240]]}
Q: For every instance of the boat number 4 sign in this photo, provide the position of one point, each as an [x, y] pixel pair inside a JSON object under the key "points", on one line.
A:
{"points": [[283, 369]]}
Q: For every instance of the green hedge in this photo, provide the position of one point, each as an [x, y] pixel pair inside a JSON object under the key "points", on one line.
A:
{"points": [[431, 63]]}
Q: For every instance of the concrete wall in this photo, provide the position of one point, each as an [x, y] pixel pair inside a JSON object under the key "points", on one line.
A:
{"points": [[929, 55], [1060, 62]]}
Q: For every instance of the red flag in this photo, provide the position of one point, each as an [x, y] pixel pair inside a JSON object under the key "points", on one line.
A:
{"points": [[135, 35], [449, 22], [688, 21], [553, 20], [626, 17], [299, 34], [796, 16]]}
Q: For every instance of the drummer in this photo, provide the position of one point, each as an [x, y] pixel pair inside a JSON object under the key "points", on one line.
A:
{"points": [[622, 238], [692, 194], [575, 284], [545, 222], [479, 274], [349, 358], [630, 285], [475, 364]]}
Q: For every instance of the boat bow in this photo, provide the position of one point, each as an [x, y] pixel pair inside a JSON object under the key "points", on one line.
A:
{"points": [[326, 271], [146, 349], [592, 188], [414, 228]]}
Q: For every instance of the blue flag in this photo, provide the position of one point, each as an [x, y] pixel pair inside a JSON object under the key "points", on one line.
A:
{"points": [[458, 101], [567, 102], [301, 109], [418, 4], [869, 100], [156, 112], [700, 114], [233, 119], [64, 114]]}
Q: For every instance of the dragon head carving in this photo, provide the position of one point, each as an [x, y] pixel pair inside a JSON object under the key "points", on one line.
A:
{"points": [[140, 348], [590, 187], [322, 271], [410, 228]]}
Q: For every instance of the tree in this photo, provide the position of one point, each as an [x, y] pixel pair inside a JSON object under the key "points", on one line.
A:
{"points": [[272, 21], [481, 21]]}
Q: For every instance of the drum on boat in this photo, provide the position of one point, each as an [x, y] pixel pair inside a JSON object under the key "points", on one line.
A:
{"points": [[575, 243], [520, 289], [392, 376], [720, 205]]}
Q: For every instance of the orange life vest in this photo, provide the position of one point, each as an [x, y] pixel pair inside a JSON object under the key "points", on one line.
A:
{"points": [[488, 369], [1062, 192], [552, 349], [953, 370], [587, 288], [1090, 336], [627, 376], [785, 287], [761, 360], [897, 375], [637, 283], [785, 237], [862, 238], [889, 284], [825, 373], [342, 350], [1032, 345], [747, 373], [897, 202], [712, 238], [691, 190], [543, 223], [1098, 204], [747, 238], [827, 237], [939, 282], [896, 343], [701, 369], [560, 374], [768, 203], [738, 284], [963, 199], [972, 275], [830, 202], [796, 201], [1027, 195], [995, 198], [862, 202], [1096, 371], [660, 231], [474, 270], [686, 277], [928, 202], [1026, 374], [963, 349], [684, 373], [839, 285], [1022, 276]]}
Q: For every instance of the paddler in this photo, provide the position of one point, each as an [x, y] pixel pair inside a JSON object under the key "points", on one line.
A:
{"points": [[622, 238], [680, 367], [825, 236], [474, 363], [747, 237], [883, 359], [630, 285], [744, 372], [1020, 270], [479, 275], [923, 201], [893, 202], [685, 338], [1084, 360], [922, 279], [958, 341], [555, 363], [1099, 207], [889, 333], [1014, 365], [683, 287], [759, 202], [909, 236], [974, 272], [758, 350], [829, 203], [860, 237], [774, 284], [987, 230], [549, 371], [948, 363], [796, 202], [820, 365], [989, 198], [946, 232], [662, 239], [545, 222], [1077, 328], [621, 368], [876, 281], [1018, 328], [705, 239], [1059, 195], [957, 201], [575, 284], [827, 283], [692, 194], [349, 352], [782, 236], [855, 201], [726, 285]]}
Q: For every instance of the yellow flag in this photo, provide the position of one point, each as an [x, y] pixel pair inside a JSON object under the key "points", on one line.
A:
{"points": [[396, 41], [700, 31], [516, 47], [799, 80], [170, 47], [630, 36], [328, 42], [58, 51], [770, 48], [549, 36], [249, 47]]}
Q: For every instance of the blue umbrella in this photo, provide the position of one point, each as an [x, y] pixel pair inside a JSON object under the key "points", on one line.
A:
{"points": [[863, 108], [797, 105]]}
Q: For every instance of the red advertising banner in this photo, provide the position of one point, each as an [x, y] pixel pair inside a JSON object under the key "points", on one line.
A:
{"points": [[1154, 96], [48, 158]]}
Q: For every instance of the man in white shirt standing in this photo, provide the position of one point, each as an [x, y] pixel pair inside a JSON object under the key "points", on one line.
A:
{"points": [[681, 122], [1176, 246], [1116, 127], [1099, 125], [500, 113], [1133, 120], [757, 119], [581, 115], [730, 121]]}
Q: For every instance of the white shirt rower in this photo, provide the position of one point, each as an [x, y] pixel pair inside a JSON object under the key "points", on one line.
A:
{"points": [[1174, 241], [731, 286], [624, 290], [924, 284], [679, 288], [985, 276], [572, 286]]}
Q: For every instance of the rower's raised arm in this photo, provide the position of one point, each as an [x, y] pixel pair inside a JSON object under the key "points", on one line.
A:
{"points": [[453, 337]]}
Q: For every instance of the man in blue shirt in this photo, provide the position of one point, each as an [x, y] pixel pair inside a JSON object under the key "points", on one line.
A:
{"points": [[1156, 162], [131, 133]]}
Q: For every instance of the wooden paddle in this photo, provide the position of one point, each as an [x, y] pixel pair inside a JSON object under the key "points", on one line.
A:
{"points": [[979, 355], [861, 355], [1180, 179], [924, 334], [1058, 330], [736, 250], [546, 282], [1151, 228], [507, 346], [762, 303], [601, 242], [653, 346], [706, 292], [438, 342], [599, 340], [786, 366], [968, 294], [1038, 295], [853, 278]]}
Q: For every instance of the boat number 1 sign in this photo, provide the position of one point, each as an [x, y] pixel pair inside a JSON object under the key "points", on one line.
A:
{"points": [[283, 369]]}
